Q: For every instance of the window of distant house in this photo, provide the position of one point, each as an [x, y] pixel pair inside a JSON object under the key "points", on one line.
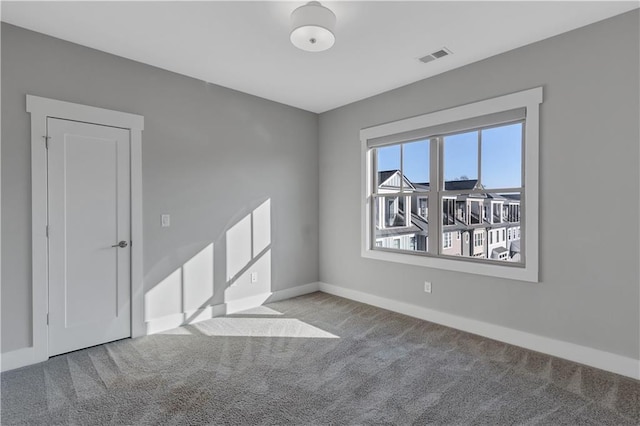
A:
{"points": [[446, 241], [476, 166], [478, 240]]}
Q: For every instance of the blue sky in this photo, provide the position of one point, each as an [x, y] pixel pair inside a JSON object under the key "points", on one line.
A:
{"points": [[501, 157]]}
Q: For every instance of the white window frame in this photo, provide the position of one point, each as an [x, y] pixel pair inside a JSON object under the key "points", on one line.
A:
{"points": [[530, 100]]}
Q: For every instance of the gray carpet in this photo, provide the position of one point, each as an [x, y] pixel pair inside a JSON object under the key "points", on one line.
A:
{"points": [[316, 359]]}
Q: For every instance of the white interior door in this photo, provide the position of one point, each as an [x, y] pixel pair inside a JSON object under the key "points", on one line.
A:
{"points": [[89, 214]]}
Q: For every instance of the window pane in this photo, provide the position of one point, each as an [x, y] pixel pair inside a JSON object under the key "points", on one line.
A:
{"points": [[502, 157], [401, 222], [460, 158], [388, 166], [416, 164], [489, 226]]}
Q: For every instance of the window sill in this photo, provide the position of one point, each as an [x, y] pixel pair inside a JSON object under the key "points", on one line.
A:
{"points": [[514, 272]]}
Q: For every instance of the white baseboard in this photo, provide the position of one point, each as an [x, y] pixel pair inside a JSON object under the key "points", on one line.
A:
{"points": [[27, 356], [290, 293], [18, 358], [614, 363], [169, 322]]}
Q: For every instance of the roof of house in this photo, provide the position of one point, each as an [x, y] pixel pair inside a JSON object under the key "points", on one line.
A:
{"points": [[421, 186], [418, 226], [420, 222], [515, 197], [386, 174], [460, 185], [494, 196], [514, 247], [454, 185], [398, 232], [499, 250], [451, 185]]}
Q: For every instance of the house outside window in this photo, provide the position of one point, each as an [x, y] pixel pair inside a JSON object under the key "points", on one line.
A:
{"points": [[479, 162]]}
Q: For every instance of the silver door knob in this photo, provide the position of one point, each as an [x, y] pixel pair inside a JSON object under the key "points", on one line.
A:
{"points": [[121, 244]]}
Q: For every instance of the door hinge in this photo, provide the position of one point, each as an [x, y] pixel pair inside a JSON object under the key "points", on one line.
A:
{"points": [[46, 141], [47, 231], [47, 318]]}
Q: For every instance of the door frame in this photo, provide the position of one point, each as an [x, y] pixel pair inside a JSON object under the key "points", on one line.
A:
{"points": [[41, 109]]}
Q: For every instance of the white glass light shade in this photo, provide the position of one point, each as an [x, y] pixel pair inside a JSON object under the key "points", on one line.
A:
{"points": [[312, 27]]}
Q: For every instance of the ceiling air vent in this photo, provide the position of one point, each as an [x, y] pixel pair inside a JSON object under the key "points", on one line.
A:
{"points": [[436, 55]]}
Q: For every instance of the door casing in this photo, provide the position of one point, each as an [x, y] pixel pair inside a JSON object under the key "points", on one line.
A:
{"points": [[40, 109]]}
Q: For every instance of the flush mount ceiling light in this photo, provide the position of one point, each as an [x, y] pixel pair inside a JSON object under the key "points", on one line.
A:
{"points": [[312, 27]]}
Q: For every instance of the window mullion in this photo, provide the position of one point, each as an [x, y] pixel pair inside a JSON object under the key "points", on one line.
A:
{"points": [[480, 158], [374, 167], [435, 179], [402, 168], [373, 200]]}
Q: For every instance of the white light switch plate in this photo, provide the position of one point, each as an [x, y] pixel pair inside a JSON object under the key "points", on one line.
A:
{"points": [[165, 220]]}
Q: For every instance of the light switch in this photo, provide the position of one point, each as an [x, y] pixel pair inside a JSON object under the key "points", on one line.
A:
{"points": [[166, 220]]}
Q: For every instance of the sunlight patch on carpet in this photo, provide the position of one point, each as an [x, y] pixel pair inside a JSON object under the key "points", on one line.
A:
{"points": [[261, 327]]}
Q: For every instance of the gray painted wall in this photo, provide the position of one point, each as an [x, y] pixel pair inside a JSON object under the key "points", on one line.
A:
{"points": [[589, 193], [210, 157]]}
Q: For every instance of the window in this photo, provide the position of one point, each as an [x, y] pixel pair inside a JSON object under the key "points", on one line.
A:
{"points": [[490, 237], [496, 216], [471, 185], [478, 163], [422, 207], [401, 196], [478, 239], [448, 211], [446, 240]]}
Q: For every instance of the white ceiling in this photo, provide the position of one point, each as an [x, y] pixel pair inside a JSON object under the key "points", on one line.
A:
{"points": [[245, 45]]}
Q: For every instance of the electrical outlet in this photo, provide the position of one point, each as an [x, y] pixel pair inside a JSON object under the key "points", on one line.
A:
{"points": [[427, 287], [165, 220], [254, 277]]}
